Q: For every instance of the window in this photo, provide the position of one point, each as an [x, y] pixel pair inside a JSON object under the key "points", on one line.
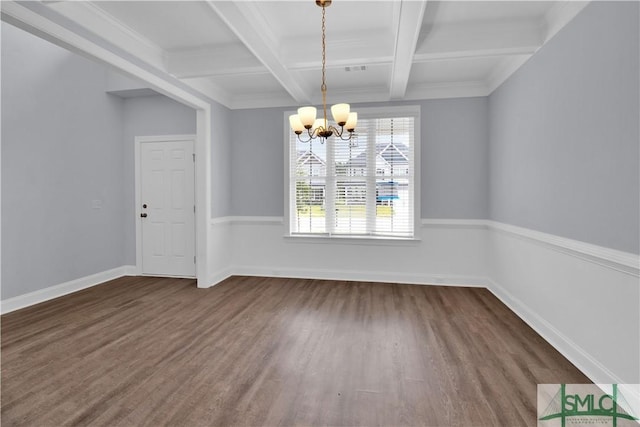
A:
{"points": [[358, 188]]}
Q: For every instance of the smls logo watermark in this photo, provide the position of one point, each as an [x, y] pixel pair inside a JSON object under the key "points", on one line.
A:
{"points": [[612, 405]]}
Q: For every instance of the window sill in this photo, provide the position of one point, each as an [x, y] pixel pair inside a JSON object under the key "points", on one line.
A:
{"points": [[352, 240]]}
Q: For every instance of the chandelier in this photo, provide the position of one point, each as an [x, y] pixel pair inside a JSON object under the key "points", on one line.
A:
{"points": [[306, 117]]}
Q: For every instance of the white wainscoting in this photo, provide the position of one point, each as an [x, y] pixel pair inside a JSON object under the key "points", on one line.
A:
{"points": [[25, 300], [220, 246], [583, 299], [449, 253]]}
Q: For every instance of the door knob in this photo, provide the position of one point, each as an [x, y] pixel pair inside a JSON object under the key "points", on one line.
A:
{"points": [[143, 215]]}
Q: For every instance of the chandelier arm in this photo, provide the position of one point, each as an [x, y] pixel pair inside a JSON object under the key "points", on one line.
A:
{"points": [[335, 130], [303, 140], [312, 136], [340, 132], [348, 138]]}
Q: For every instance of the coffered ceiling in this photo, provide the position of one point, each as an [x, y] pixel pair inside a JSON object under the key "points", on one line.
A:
{"points": [[247, 54]]}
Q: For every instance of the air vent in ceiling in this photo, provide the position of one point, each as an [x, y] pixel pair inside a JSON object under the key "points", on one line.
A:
{"points": [[356, 68]]}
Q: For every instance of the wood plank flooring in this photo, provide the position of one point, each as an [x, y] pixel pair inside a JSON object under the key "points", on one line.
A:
{"points": [[263, 351]]}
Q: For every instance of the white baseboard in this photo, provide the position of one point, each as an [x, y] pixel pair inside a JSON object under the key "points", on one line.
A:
{"points": [[42, 295], [130, 270], [217, 277], [593, 369], [359, 276]]}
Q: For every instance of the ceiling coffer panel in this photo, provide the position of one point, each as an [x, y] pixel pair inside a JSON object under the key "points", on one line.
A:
{"points": [[238, 52]]}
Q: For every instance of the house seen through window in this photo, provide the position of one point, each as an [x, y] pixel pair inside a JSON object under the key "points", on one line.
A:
{"points": [[361, 187]]}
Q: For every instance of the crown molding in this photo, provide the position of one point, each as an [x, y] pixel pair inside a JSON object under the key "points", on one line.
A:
{"points": [[465, 89], [205, 61], [262, 100], [210, 89], [98, 21], [559, 15], [489, 38], [503, 71], [247, 23], [475, 54]]}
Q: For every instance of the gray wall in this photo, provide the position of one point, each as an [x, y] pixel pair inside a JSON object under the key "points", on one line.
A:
{"points": [[454, 159], [564, 133], [221, 143], [62, 149], [147, 116], [257, 162], [65, 144]]}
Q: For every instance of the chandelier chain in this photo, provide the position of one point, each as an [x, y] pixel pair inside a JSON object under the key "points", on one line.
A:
{"points": [[323, 88], [324, 60]]}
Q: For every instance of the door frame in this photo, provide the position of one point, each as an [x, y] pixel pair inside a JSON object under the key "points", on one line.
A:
{"points": [[139, 140]]}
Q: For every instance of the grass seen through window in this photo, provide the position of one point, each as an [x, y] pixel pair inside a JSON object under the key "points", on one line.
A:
{"points": [[357, 211]]}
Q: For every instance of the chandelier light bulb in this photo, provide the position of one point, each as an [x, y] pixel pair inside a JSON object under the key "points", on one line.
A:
{"points": [[352, 120], [296, 124], [307, 116], [340, 113]]}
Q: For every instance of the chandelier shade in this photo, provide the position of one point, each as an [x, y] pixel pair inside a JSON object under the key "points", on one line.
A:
{"points": [[319, 127], [340, 113], [307, 116], [352, 120]]}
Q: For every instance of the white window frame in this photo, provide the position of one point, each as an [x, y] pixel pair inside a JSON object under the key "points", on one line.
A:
{"points": [[363, 113]]}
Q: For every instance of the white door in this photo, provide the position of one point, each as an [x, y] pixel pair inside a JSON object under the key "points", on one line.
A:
{"points": [[167, 211]]}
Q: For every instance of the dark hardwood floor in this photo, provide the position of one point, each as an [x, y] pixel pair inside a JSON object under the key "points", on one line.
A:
{"points": [[260, 351]]}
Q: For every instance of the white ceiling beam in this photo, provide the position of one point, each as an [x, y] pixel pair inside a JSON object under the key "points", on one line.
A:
{"points": [[96, 20], [408, 24], [246, 22]]}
